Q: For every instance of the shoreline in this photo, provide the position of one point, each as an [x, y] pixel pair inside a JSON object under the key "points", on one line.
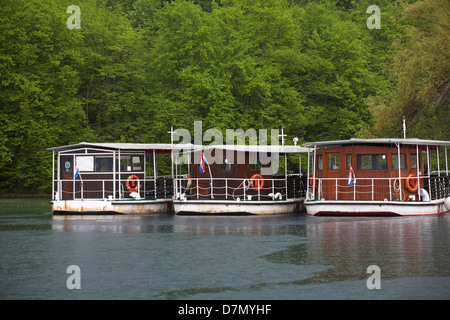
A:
{"points": [[24, 196]]}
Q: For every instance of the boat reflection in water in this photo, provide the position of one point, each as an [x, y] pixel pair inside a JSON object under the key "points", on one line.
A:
{"points": [[296, 256]]}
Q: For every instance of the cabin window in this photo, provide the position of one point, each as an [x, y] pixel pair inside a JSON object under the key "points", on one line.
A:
{"points": [[413, 161], [371, 162], [103, 163], [125, 163], [333, 161], [227, 165], [394, 160], [348, 161], [130, 163], [319, 162], [255, 166], [136, 162], [85, 163]]}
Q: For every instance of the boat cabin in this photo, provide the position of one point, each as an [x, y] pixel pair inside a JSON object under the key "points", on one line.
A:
{"points": [[378, 170], [109, 171], [242, 173]]}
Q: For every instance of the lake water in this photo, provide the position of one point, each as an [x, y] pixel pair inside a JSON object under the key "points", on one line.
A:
{"points": [[166, 257]]}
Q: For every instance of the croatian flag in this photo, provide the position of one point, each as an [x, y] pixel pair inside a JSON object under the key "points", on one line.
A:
{"points": [[76, 169], [350, 176], [202, 164]]}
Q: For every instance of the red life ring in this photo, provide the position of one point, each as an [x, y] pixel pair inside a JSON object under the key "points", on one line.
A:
{"points": [[132, 183], [412, 183], [256, 182]]}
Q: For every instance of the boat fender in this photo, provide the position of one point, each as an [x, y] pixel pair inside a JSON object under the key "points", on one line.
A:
{"points": [[424, 196], [311, 181], [411, 183], [447, 203], [132, 183], [135, 195]]}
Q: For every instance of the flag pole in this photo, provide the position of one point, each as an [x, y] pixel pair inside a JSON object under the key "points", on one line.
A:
{"points": [[211, 179]]}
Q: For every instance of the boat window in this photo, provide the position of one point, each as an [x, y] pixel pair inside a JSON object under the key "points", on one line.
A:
{"points": [[255, 166], [394, 160], [130, 163], [125, 163], [137, 163], [227, 165], [348, 161], [371, 162], [414, 161], [85, 163], [333, 161], [319, 162], [103, 163]]}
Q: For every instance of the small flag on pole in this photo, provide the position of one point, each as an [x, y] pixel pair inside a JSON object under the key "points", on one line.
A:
{"points": [[202, 164], [76, 169], [350, 176]]}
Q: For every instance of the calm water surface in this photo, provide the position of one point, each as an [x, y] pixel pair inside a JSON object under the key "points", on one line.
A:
{"points": [[251, 257]]}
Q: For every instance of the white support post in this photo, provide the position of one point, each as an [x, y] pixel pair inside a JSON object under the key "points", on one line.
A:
{"points": [[114, 174], [418, 172], [399, 172], [53, 175]]}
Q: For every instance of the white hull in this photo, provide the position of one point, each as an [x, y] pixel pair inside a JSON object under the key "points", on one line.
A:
{"points": [[229, 207], [131, 207], [375, 208]]}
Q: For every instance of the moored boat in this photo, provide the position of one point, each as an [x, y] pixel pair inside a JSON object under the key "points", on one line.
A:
{"points": [[240, 179], [378, 177], [110, 178]]}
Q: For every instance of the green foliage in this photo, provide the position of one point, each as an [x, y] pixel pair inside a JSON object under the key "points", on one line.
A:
{"points": [[138, 67]]}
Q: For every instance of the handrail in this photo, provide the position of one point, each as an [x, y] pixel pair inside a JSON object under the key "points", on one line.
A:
{"points": [[371, 188], [236, 189], [160, 187]]}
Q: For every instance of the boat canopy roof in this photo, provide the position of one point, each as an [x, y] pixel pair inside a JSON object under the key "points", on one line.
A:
{"points": [[123, 146], [255, 148], [377, 141], [183, 147]]}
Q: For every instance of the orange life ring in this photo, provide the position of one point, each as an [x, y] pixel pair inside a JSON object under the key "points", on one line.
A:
{"points": [[256, 182], [411, 183], [132, 180]]}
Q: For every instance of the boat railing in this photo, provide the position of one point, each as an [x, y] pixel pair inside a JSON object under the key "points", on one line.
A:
{"points": [[148, 188], [239, 189], [378, 189]]}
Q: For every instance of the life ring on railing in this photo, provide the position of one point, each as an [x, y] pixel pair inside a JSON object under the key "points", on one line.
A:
{"points": [[132, 183], [411, 183], [256, 182], [189, 182]]}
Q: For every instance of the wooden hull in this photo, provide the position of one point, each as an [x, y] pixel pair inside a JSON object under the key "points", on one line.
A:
{"points": [[130, 207], [375, 208], [231, 207]]}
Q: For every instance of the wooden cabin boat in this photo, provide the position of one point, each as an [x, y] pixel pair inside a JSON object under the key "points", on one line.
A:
{"points": [[110, 178], [378, 177], [242, 181]]}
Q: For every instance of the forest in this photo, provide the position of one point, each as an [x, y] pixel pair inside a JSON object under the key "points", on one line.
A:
{"points": [[131, 69]]}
